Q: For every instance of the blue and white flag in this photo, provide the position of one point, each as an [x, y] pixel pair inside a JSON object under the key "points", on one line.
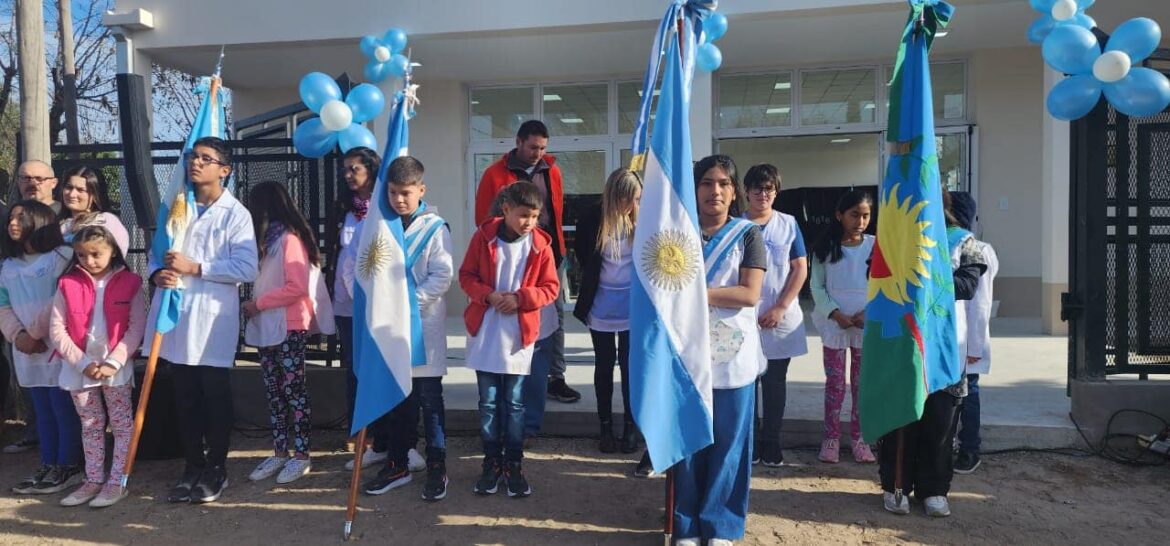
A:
{"points": [[177, 208], [670, 356], [385, 347]]}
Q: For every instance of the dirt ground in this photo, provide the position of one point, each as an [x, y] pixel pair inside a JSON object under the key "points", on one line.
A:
{"points": [[584, 497]]}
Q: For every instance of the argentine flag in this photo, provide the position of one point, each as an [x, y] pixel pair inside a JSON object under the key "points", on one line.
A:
{"points": [[385, 344], [177, 209], [670, 357]]}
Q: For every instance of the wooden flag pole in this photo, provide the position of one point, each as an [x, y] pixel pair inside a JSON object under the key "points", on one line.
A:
{"points": [[668, 525], [143, 400], [898, 466], [351, 509]]}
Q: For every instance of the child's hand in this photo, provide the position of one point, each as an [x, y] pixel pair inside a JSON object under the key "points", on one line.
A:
{"points": [[250, 308], [973, 359], [177, 262], [494, 300], [845, 322], [771, 318], [27, 344], [510, 304], [92, 370], [106, 370], [165, 278], [859, 319]]}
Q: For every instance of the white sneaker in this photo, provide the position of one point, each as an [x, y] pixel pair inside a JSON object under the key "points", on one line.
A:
{"points": [[293, 470], [719, 542], [267, 468], [369, 458], [894, 507], [686, 542], [414, 461], [937, 506]]}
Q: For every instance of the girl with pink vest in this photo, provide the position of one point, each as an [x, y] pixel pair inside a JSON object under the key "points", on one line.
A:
{"points": [[291, 303], [97, 321]]}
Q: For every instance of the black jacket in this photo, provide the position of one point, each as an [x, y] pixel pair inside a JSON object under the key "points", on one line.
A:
{"points": [[585, 247]]}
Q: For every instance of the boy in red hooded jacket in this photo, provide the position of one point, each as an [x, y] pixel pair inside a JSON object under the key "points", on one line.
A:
{"points": [[509, 273]]}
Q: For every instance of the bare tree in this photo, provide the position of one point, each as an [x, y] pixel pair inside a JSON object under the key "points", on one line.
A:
{"points": [[30, 24], [95, 66], [68, 68]]}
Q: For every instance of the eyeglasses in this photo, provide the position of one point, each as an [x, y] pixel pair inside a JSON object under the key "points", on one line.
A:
{"points": [[202, 159], [353, 169], [762, 191], [35, 179]]}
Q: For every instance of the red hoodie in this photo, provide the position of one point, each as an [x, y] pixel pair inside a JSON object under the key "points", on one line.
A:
{"points": [[539, 285], [498, 176]]}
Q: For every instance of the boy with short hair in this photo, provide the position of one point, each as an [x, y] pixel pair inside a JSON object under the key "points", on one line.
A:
{"points": [[509, 274], [219, 254], [428, 259]]}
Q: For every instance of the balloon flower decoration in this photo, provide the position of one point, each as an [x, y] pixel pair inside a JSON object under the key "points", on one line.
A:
{"points": [[385, 54], [1133, 90], [1058, 13], [708, 57], [338, 122]]}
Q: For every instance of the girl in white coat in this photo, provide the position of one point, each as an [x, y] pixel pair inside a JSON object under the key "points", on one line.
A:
{"points": [[779, 316]]}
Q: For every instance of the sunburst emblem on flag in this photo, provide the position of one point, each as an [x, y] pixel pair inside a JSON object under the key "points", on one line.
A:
{"points": [[671, 259], [903, 261], [374, 257]]}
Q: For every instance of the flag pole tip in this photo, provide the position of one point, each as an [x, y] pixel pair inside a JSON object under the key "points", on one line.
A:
{"points": [[348, 530]]}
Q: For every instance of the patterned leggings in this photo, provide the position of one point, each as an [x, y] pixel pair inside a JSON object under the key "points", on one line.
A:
{"points": [[284, 381], [835, 392], [93, 429]]}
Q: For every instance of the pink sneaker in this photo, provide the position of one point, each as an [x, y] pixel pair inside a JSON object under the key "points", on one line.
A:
{"points": [[830, 451], [862, 453]]}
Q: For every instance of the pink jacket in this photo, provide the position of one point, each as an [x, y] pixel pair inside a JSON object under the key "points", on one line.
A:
{"points": [[123, 308], [294, 295]]}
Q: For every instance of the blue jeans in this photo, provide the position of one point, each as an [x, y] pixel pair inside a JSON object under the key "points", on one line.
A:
{"points": [[58, 428], [711, 486], [969, 440], [430, 399], [536, 387], [501, 415]]}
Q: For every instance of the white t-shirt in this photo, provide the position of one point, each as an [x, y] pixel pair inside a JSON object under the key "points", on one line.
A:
{"points": [[497, 347], [611, 303], [346, 260]]}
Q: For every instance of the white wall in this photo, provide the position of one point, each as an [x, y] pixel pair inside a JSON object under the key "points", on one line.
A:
{"points": [[811, 163]]}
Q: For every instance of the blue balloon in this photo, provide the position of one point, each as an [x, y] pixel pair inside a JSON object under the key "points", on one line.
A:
{"points": [[313, 140], [366, 101], [1137, 38], [1074, 97], [1141, 93], [715, 26], [1040, 29], [318, 89], [1043, 6], [1071, 49], [1081, 19], [708, 57], [369, 44], [376, 71], [398, 65], [354, 136], [395, 39]]}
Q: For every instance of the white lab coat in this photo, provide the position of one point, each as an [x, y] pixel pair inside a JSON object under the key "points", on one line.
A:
{"points": [[223, 241], [433, 273], [978, 314]]}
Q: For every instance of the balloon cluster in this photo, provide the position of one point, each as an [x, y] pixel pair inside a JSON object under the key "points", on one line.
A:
{"points": [[338, 122], [386, 58], [1058, 13], [708, 57], [1133, 90]]}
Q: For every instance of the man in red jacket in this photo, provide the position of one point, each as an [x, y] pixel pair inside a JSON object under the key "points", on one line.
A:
{"points": [[528, 161]]}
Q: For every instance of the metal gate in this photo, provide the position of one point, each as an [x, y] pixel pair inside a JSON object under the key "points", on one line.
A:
{"points": [[1118, 307]]}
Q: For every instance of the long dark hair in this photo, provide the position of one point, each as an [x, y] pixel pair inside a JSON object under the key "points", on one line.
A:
{"points": [[270, 202], [735, 208], [368, 158], [38, 227], [95, 185], [828, 248]]}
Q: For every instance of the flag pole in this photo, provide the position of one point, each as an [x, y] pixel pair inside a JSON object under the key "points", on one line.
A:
{"points": [[155, 346], [901, 447], [351, 508], [668, 525]]}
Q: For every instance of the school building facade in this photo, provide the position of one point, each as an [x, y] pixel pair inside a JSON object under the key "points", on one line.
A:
{"points": [[802, 86]]}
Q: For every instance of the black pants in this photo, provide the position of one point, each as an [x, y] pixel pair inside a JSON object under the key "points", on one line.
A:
{"points": [[203, 399], [927, 466], [773, 387], [610, 348]]}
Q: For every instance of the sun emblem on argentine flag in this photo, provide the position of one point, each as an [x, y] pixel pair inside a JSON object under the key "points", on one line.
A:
{"points": [[374, 257], [671, 259]]}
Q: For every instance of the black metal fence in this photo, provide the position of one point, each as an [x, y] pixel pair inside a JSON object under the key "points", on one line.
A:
{"points": [[313, 184]]}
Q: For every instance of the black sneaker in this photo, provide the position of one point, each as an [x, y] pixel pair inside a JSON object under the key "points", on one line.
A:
{"points": [[966, 462], [211, 485], [607, 443], [436, 487], [391, 476], [629, 443], [21, 445], [518, 487], [25, 487], [771, 456], [645, 468], [181, 492], [489, 481], [561, 392], [59, 478]]}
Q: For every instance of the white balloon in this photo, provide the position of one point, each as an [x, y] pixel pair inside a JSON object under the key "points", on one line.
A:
{"points": [[382, 53], [1064, 10], [1112, 66], [336, 115]]}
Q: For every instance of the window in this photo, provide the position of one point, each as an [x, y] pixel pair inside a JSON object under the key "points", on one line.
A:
{"points": [[755, 101], [838, 97], [948, 82], [629, 102], [572, 110], [498, 113]]}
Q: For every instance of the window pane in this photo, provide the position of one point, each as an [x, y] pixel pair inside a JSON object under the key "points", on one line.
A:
{"points": [[629, 101], [577, 109], [952, 161], [482, 162], [838, 97], [583, 175], [498, 113], [949, 82], [755, 101]]}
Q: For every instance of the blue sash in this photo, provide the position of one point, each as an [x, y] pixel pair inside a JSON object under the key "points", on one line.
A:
{"points": [[716, 250], [418, 237]]}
